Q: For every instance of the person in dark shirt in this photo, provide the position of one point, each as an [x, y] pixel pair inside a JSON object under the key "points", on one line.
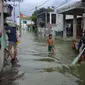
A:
{"points": [[12, 38]]}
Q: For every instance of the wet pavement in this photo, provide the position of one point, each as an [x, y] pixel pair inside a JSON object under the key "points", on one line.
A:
{"points": [[37, 68]]}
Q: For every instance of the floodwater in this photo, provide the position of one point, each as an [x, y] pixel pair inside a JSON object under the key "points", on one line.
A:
{"points": [[37, 68]]}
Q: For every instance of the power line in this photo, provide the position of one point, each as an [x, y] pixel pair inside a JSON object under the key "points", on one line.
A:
{"points": [[46, 2], [62, 4], [28, 10], [66, 1], [43, 3], [37, 6]]}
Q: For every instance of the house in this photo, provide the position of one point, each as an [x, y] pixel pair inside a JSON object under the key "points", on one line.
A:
{"points": [[7, 9], [58, 29], [25, 22], [72, 19], [46, 21]]}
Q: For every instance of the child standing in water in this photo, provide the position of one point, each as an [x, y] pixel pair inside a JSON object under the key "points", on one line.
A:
{"points": [[50, 42]]}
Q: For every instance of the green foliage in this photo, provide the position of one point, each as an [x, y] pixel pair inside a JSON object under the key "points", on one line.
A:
{"points": [[34, 18], [49, 9]]}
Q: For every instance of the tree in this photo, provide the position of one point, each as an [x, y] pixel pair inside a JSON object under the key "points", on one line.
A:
{"points": [[34, 18], [50, 9]]}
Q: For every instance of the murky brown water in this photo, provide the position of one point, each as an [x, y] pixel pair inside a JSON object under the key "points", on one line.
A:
{"points": [[37, 68]]}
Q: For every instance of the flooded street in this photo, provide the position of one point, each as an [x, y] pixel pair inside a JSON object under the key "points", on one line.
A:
{"points": [[37, 68]]}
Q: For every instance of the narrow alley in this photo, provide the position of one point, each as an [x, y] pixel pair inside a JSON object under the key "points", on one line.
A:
{"points": [[36, 68]]}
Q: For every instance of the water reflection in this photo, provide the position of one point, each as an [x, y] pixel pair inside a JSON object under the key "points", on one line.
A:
{"points": [[8, 76]]}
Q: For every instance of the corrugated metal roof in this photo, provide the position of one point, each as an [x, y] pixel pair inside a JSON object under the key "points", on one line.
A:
{"points": [[69, 3]]}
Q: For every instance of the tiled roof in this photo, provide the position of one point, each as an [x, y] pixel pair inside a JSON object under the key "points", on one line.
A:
{"points": [[26, 18]]}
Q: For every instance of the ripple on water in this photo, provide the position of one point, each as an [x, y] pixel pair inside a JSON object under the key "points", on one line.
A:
{"points": [[72, 72], [45, 59]]}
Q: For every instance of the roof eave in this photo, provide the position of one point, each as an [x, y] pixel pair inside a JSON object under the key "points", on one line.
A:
{"points": [[71, 7]]}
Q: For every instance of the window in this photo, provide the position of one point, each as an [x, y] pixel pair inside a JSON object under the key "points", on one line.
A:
{"points": [[53, 18], [25, 22], [48, 17]]}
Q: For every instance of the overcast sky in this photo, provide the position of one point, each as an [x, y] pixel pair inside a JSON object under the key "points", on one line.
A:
{"points": [[27, 5]]}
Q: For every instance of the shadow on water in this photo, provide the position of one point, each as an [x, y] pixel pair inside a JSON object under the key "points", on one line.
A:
{"points": [[8, 76]]}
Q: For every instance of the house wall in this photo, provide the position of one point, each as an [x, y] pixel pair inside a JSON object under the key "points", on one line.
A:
{"points": [[1, 51], [7, 12], [7, 9], [59, 28], [59, 22], [23, 25], [59, 25]]}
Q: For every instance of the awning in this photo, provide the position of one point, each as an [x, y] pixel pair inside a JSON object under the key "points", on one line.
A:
{"points": [[75, 8]]}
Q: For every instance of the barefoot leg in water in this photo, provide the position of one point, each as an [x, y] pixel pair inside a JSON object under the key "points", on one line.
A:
{"points": [[82, 58], [52, 52], [79, 61]]}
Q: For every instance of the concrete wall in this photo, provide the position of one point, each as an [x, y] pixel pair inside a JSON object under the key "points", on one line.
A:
{"points": [[1, 52], [8, 12], [1, 59], [60, 21], [59, 24], [59, 28]]}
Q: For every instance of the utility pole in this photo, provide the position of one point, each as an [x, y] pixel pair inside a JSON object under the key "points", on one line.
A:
{"points": [[46, 18], [36, 16], [20, 30]]}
